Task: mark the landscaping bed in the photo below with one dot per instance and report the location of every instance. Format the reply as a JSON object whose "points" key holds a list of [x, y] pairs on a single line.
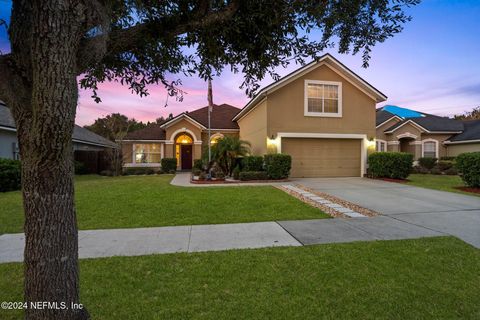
{"points": [[430, 278]]}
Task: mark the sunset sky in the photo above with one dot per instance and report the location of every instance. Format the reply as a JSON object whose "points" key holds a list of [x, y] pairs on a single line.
{"points": [[432, 66]]}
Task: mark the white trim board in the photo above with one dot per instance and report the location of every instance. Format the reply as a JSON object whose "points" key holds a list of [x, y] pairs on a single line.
{"points": [[181, 117], [392, 117], [462, 141]]}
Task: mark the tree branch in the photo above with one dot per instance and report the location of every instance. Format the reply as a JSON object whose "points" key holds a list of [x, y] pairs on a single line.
{"points": [[93, 49]]}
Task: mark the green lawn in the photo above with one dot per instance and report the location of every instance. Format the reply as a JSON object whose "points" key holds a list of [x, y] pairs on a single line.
{"points": [[148, 201], [438, 182], [430, 278]]}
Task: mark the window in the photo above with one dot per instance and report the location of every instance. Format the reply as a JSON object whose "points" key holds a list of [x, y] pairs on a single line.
{"points": [[184, 139], [214, 139], [381, 146], [148, 153], [430, 149], [323, 98]]}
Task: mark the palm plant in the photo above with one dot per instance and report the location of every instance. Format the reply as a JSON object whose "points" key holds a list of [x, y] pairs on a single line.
{"points": [[227, 150]]}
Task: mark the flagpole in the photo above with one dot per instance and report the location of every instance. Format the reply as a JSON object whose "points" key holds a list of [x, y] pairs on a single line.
{"points": [[210, 106]]}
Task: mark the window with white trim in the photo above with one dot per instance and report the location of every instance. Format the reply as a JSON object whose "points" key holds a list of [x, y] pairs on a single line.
{"points": [[147, 153], [381, 146], [323, 98], [430, 149]]}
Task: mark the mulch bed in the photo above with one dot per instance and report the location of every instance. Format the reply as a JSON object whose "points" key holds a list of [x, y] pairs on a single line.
{"points": [[234, 181], [468, 189]]}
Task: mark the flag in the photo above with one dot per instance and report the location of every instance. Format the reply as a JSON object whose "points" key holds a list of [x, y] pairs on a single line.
{"points": [[210, 96]]}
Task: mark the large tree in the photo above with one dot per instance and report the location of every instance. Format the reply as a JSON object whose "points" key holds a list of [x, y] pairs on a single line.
{"points": [[114, 126], [57, 45]]}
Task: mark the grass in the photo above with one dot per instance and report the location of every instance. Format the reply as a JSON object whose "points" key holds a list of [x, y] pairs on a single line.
{"points": [[439, 182], [148, 201], [430, 278]]}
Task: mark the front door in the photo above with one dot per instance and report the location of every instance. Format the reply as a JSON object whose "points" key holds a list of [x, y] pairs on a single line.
{"points": [[186, 156]]}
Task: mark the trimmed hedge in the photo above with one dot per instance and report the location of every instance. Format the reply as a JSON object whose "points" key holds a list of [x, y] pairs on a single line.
{"points": [[138, 171], [168, 164], [10, 174], [468, 164], [278, 165], [428, 163], [395, 165], [80, 168], [253, 163], [253, 175]]}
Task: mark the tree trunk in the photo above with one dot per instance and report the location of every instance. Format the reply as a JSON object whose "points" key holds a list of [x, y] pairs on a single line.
{"points": [[45, 137]]}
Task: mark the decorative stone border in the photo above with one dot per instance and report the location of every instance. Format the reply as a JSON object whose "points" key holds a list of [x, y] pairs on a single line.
{"points": [[329, 204]]}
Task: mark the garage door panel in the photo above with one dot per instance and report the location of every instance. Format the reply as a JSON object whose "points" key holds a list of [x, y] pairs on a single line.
{"points": [[323, 157]]}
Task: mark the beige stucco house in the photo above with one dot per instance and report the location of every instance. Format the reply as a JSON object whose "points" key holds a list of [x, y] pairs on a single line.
{"points": [[424, 135], [322, 114]]}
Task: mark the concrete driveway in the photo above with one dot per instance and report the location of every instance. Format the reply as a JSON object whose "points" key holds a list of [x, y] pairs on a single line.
{"points": [[444, 212]]}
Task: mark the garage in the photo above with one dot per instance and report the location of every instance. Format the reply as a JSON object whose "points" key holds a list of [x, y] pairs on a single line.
{"points": [[316, 157]]}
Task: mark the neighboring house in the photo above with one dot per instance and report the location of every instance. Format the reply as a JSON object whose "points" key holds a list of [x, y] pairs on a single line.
{"points": [[87, 145], [184, 137], [322, 114], [424, 135]]}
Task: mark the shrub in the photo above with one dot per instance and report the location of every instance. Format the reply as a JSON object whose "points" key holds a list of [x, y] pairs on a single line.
{"points": [[428, 163], [253, 175], [169, 164], [468, 164], [236, 173], [278, 165], [444, 165], [220, 175], [137, 171], [202, 176], [196, 172], [451, 172], [395, 165], [436, 170], [448, 158], [197, 164], [420, 170], [10, 174], [80, 168], [253, 163], [107, 173]]}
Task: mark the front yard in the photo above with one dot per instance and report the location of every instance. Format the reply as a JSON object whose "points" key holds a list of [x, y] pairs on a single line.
{"points": [[439, 182], [150, 201], [430, 278]]}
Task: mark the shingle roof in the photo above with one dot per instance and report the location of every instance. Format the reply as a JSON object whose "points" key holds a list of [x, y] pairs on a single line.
{"points": [[80, 134], [471, 131], [220, 118], [383, 116], [428, 121], [152, 132]]}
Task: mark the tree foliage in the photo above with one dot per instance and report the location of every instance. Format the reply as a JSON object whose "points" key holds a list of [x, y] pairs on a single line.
{"points": [[469, 115], [226, 151]]}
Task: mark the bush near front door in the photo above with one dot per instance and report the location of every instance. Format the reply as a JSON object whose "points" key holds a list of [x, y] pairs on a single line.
{"points": [[394, 165], [468, 164], [169, 165]]}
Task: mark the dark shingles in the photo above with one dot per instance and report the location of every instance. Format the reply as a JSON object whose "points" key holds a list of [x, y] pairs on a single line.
{"points": [[471, 131], [80, 134], [383, 116], [436, 123], [220, 118], [152, 132]]}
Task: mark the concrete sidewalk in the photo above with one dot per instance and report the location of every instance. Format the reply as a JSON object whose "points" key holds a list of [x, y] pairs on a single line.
{"points": [[144, 241]]}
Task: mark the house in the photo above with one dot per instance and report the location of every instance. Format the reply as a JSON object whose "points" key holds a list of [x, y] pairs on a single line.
{"points": [[88, 146], [322, 114], [424, 135]]}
